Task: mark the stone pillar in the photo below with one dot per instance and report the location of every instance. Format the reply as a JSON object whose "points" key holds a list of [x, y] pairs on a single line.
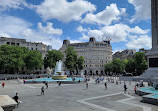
{"points": [[154, 20], [152, 55]]}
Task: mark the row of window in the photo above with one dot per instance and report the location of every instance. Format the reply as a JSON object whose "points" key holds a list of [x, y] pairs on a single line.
{"points": [[13, 43], [94, 45], [102, 49], [93, 66]]}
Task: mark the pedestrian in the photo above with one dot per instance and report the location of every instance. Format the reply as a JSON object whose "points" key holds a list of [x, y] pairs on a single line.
{"points": [[105, 85], [59, 83], [125, 88], [86, 85], [24, 81], [3, 84], [42, 90], [135, 89], [116, 82], [46, 83], [16, 98]]}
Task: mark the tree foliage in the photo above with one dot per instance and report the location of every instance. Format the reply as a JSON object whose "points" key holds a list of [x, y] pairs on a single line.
{"points": [[51, 58], [33, 60], [118, 66], [14, 58], [11, 59], [131, 66], [108, 67], [141, 64], [72, 61], [134, 65], [80, 62]]}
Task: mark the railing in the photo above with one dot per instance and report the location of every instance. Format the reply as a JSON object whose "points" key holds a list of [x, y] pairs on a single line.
{"points": [[21, 76]]}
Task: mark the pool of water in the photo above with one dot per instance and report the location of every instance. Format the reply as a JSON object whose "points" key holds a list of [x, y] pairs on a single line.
{"points": [[149, 90], [155, 96], [50, 79]]}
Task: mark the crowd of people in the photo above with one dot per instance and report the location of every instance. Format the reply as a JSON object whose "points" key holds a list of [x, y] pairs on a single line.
{"points": [[97, 79]]}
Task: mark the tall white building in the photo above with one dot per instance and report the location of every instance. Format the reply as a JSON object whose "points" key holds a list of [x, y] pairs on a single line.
{"points": [[96, 54]]}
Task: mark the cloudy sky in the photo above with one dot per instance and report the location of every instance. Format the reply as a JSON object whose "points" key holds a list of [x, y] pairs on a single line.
{"points": [[126, 22]]}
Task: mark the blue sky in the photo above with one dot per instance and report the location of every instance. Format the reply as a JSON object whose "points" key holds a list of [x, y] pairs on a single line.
{"points": [[126, 22]]}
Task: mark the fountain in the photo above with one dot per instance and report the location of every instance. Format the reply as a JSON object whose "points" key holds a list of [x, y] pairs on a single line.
{"points": [[149, 94], [58, 73]]}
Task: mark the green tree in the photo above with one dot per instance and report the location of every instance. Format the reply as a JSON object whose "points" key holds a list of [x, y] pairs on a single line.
{"points": [[33, 60], [52, 57], [108, 67], [71, 58], [131, 66], [72, 61], [118, 66], [11, 59], [79, 63], [140, 62], [125, 61]]}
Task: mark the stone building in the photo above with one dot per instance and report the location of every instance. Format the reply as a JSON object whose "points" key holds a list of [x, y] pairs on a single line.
{"points": [[95, 54], [42, 48], [126, 54]]}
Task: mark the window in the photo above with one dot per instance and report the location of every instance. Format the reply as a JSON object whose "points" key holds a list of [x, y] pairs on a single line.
{"points": [[31, 48], [36, 48], [8, 43], [12, 43]]}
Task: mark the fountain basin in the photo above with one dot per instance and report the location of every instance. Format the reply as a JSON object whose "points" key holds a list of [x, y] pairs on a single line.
{"points": [[50, 80], [151, 99], [146, 90], [149, 95], [59, 77]]}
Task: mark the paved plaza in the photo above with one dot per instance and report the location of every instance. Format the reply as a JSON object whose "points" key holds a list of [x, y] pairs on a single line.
{"points": [[75, 97]]}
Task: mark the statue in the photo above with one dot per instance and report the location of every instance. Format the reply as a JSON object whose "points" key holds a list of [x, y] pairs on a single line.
{"points": [[48, 71]]}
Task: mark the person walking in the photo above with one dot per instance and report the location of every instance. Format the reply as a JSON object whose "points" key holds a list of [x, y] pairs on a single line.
{"points": [[59, 83], [3, 84], [42, 90], [105, 84], [87, 85], [125, 88], [135, 89], [46, 83]]}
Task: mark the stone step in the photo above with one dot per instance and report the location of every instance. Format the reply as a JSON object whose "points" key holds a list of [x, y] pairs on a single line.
{"points": [[1, 109]]}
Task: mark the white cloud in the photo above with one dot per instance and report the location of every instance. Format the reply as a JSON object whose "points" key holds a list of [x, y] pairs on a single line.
{"points": [[138, 30], [117, 32], [117, 50], [17, 28], [63, 10], [32, 35], [81, 29], [142, 8], [105, 17], [144, 41], [12, 25], [49, 29], [7, 4], [4, 35]]}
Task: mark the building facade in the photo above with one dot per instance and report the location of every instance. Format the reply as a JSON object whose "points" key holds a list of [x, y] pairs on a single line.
{"points": [[126, 54], [96, 54]]}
